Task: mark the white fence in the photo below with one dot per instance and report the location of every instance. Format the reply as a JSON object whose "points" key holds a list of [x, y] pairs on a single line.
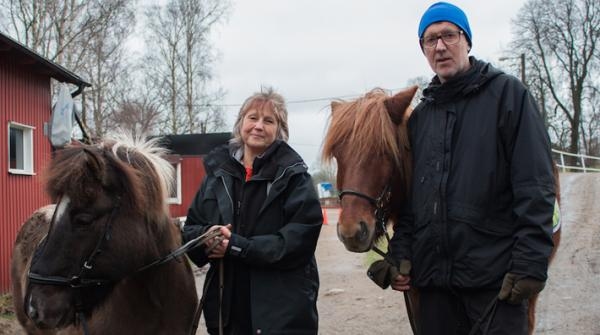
{"points": [[593, 163]]}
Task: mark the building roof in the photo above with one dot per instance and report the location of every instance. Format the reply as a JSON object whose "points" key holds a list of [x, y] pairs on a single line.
{"points": [[194, 144], [38, 63]]}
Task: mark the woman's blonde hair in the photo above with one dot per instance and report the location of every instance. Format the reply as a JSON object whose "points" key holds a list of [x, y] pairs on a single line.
{"points": [[266, 98]]}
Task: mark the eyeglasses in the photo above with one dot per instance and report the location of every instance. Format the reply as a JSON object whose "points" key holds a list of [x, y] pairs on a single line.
{"points": [[449, 38]]}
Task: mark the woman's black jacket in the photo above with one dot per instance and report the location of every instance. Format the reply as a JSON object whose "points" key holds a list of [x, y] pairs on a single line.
{"points": [[483, 192], [270, 268]]}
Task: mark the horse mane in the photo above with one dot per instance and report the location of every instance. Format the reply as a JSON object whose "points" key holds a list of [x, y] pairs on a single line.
{"points": [[137, 165], [363, 128]]}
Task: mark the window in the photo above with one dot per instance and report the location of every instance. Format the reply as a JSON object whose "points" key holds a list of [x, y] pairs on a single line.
{"points": [[175, 196], [20, 148]]}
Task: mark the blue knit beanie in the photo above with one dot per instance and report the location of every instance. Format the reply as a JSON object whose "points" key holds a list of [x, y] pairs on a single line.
{"points": [[443, 11]]}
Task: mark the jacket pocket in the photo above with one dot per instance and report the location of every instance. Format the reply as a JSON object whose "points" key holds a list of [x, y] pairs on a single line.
{"points": [[480, 221]]}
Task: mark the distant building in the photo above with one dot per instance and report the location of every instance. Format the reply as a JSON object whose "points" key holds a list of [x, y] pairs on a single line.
{"points": [[25, 110], [187, 157]]}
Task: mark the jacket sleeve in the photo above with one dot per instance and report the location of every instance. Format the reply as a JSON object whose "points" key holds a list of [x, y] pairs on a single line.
{"points": [[295, 242], [532, 182], [195, 225], [400, 243]]}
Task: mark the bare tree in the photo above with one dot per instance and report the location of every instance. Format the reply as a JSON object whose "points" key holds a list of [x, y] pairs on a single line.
{"points": [[163, 40], [181, 61], [140, 117], [106, 65], [560, 39], [85, 36]]}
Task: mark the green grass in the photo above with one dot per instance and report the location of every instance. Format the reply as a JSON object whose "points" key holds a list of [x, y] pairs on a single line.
{"points": [[6, 305]]}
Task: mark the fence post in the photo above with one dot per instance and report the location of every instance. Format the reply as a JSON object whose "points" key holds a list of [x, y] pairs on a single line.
{"points": [[562, 162], [583, 163]]}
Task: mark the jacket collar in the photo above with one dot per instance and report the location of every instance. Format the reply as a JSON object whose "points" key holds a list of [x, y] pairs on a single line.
{"points": [[462, 85], [268, 165]]}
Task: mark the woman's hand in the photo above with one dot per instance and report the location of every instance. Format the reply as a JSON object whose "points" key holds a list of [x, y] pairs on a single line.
{"points": [[222, 241]]}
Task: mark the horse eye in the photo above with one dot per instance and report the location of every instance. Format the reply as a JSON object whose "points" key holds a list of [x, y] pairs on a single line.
{"points": [[83, 219]]}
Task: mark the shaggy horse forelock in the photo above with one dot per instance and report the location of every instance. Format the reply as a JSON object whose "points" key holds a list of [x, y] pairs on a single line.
{"points": [[116, 166]]}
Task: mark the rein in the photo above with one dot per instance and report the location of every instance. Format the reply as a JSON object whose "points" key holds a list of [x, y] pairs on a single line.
{"points": [[78, 282]]}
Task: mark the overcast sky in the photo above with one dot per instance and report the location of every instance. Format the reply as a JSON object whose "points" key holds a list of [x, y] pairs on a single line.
{"points": [[336, 48]]}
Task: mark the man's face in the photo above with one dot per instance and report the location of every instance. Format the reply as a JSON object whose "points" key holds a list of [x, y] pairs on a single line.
{"points": [[445, 60]]}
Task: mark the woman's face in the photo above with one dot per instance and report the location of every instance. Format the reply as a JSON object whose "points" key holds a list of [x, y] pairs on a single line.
{"points": [[259, 130]]}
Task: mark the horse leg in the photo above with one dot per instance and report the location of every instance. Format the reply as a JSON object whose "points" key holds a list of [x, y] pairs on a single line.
{"points": [[413, 309]]}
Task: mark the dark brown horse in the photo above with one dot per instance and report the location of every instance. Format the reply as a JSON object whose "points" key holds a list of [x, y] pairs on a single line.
{"points": [[369, 141], [81, 266]]}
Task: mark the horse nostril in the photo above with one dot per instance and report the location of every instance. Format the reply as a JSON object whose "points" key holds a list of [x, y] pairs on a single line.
{"points": [[32, 312], [363, 234]]}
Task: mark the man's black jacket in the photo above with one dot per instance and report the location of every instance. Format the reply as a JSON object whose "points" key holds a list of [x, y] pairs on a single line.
{"points": [[482, 194]]}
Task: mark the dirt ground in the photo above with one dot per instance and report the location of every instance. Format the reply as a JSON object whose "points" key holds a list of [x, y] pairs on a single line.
{"points": [[349, 303]]}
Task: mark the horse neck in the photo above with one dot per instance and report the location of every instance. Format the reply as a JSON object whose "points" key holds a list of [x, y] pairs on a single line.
{"points": [[168, 237]]}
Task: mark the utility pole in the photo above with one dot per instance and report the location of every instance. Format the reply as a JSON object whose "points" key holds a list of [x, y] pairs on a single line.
{"points": [[523, 69]]}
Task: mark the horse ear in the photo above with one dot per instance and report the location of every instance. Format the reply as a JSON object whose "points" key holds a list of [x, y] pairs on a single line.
{"points": [[335, 105], [397, 106], [94, 163]]}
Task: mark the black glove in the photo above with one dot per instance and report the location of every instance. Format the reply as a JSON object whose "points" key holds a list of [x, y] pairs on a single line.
{"points": [[382, 271], [516, 288]]}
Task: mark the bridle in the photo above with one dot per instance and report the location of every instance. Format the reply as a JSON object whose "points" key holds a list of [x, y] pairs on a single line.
{"points": [[80, 281]]}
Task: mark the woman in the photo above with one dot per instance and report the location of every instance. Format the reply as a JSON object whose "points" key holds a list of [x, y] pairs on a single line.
{"points": [[258, 192]]}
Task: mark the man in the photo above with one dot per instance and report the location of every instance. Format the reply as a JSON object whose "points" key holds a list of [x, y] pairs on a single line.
{"points": [[478, 226]]}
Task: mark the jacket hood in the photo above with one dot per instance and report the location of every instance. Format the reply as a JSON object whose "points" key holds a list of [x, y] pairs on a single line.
{"points": [[465, 84]]}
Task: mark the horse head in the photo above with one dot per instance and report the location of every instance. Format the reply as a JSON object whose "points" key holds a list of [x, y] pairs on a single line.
{"points": [[109, 220], [369, 141]]}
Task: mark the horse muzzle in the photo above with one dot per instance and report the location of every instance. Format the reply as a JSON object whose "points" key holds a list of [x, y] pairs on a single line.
{"points": [[358, 239], [49, 307]]}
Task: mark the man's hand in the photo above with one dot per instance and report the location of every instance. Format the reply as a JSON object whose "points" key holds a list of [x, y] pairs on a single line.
{"points": [[516, 288], [401, 279]]}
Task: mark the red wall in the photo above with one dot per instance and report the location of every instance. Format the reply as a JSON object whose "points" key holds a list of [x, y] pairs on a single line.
{"points": [[192, 173], [25, 99]]}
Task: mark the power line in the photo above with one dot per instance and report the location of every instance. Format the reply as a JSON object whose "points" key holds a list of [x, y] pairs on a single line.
{"points": [[298, 101]]}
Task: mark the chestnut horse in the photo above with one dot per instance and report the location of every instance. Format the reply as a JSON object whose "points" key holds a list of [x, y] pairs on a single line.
{"points": [[368, 139], [82, 266]]}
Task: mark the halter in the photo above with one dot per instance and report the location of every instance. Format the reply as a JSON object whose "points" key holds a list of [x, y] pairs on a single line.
{"points": [[382, 213]]}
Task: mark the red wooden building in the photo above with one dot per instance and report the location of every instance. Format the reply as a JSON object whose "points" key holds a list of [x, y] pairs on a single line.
{"points": [[25, 109], [187, 156]]}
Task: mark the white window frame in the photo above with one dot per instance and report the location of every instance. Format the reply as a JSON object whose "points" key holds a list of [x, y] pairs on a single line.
{"points": [[176, 200], [26, 150]]}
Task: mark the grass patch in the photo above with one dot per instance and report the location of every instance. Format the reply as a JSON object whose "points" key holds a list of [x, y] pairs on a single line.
{"points": [[6, 305]]}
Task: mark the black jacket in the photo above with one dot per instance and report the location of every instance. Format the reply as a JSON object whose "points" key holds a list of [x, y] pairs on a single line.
{"points": [[270, 269], [482, 194]]}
